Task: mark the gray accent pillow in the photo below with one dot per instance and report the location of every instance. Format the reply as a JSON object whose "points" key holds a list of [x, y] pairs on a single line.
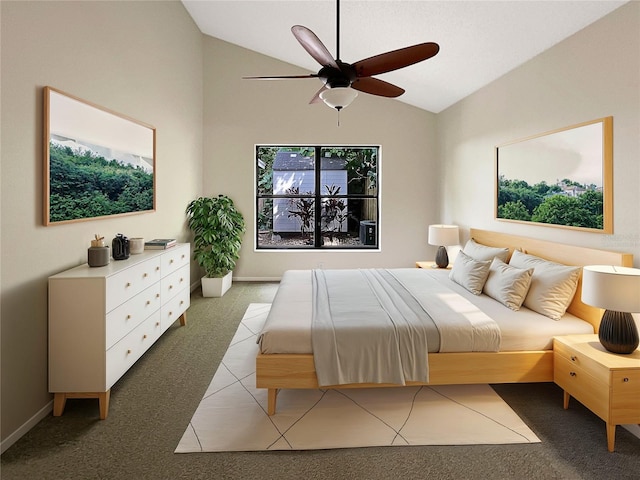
{"points": [[508, 284], [482, 252], [470, 273], [553, 285]]}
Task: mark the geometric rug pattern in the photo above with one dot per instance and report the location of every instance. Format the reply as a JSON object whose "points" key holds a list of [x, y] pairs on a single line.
{"points": [[232, 415]]}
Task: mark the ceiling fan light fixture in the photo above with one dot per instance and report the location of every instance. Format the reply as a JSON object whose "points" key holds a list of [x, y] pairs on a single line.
{"points": [[338, 97]]}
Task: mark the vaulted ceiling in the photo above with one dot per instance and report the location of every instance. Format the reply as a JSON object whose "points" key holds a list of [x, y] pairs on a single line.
{"points": [[479, 40]]}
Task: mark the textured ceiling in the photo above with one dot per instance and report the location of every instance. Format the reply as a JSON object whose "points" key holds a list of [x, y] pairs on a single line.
{"points": [[479, 40]]}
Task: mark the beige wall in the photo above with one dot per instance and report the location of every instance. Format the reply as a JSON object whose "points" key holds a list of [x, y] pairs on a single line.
{"points": [[593, 74], [241, 113], [142, 59]]}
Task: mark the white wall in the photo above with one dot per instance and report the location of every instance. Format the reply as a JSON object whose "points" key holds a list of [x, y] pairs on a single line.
{"points": [[241, 113], [593, 74], [141, 59]]}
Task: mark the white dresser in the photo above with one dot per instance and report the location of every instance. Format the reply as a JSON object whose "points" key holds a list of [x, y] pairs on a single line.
{"points": [[102, 319]]}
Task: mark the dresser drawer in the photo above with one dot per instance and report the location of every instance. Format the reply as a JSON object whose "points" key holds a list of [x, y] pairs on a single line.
{"points": [[171, 310], [580, 384], [124, 354], [121, 320], [131, 281], [174, 283], [175, 258]]}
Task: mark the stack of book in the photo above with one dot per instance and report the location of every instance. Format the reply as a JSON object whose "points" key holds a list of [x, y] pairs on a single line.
{"points": [[159, 243]]}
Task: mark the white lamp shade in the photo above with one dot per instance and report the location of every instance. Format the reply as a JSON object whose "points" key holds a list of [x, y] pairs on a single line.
{"points": [[338, 97], [611, 287], [444, 235]]}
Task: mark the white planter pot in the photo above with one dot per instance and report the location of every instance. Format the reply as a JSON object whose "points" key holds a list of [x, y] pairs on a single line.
{"points": [[216, 287]]}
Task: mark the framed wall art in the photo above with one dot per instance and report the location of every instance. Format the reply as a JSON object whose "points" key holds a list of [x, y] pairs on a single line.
{"points": [[97, 163], [562, 178]]}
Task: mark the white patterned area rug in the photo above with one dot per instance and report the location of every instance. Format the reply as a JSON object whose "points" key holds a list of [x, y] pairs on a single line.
{"points": [[232, 415]]}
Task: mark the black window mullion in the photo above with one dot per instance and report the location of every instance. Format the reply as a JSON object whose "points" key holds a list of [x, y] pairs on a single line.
{"points": [[317, 231]]}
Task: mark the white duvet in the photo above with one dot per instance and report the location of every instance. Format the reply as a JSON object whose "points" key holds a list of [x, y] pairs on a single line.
{"points": [[373, 325]]}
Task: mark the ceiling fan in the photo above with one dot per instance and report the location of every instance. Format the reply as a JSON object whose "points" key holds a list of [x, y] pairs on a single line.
{"points": [[341, 79]]}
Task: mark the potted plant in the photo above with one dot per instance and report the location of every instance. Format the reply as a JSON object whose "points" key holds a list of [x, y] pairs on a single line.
{"points": [[218, 227]]}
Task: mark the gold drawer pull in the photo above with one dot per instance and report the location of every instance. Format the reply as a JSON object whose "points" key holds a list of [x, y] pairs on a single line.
{"points": [[128, 284], [129, 352], [573, 374], [181, 279], [157, 324], [144, 275], [625, 379], [148, 302], [171, 261], [157, 268], [157, 295], [181, 302], [573, 358], [128, 317], [170, 287], [170, 313], [144, 336]]}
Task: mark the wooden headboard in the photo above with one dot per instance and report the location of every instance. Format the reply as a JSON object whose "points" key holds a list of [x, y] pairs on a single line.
{"points": [[561, 253]]}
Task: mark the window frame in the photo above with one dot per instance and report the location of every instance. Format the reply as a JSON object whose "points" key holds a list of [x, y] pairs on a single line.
{"points": [[318, 196]]}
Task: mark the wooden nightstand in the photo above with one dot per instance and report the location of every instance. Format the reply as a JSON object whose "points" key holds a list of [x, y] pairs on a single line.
{"points": [[608, 384], [430, 265]]}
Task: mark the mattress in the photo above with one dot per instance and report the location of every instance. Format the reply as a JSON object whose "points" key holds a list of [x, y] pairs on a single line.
{"points": [[288, 325]]}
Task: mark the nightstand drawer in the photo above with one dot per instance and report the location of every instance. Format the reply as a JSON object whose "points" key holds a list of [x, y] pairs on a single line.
{"points": [[580, 384], [582, 361], [625, 396]]}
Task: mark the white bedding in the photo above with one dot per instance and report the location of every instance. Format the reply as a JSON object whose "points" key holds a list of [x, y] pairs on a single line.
{"points": [[288, 326]]}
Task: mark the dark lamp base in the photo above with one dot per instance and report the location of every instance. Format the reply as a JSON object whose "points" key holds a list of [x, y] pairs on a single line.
{"points": [[618, 332], [442, 259]]}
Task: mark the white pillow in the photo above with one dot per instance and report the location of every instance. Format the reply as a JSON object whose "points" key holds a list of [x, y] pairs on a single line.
{"points": [[507, 284], [552, 284], [470, 273], [482, 252]]}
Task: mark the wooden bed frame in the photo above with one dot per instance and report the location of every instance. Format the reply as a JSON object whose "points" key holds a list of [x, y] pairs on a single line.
{"points": [[278, 371]]}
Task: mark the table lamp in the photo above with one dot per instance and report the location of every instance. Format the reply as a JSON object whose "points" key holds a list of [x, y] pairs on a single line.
{"points": [[617, 290], [443, 236]]}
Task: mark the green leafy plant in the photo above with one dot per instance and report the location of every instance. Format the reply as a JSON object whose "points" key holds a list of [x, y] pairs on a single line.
{"points": [[218, 227]]}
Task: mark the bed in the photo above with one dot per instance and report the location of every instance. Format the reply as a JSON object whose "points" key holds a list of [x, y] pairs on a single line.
{"points": [[286, 360]]}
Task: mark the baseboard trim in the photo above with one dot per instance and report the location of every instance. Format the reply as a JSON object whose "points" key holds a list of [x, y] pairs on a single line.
{"points": [[25, 427], [634, 429]]}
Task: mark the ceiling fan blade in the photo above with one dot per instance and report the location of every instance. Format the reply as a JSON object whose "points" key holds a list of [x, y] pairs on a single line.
{"points": [[316, 98], [312, 44], [375, 86], [386, 62], [279, 77]]}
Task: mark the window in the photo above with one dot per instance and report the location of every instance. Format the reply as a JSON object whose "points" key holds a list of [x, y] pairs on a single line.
{"points": [[317, 197]]}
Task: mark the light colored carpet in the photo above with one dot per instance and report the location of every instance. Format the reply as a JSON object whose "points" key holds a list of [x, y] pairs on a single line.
{"points": [[232, 415]]}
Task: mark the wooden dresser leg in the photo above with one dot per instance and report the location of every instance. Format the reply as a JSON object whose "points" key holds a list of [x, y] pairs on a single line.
{"points": [[566, 398], [183, 319], [611, 436], [272, 395], [59, 401], [103, 399]]}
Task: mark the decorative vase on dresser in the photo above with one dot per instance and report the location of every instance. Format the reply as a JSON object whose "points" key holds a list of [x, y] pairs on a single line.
{"points": [[101, 320]]}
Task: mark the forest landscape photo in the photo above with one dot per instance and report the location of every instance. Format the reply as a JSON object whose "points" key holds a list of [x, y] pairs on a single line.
{"points": [[98, 163], [557, 178], [85, 184]]}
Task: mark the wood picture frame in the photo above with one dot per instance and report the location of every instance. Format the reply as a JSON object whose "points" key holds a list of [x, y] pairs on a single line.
{"points": [[97, 163], [561, 178]]}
